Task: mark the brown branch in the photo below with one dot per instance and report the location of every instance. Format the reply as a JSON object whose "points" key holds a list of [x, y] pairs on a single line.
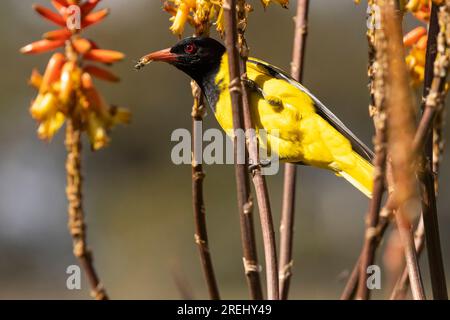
{"points": [[77, 225], [435, 95], [425, 174], [376, 71], [245, 202], [433, 107], [352, 283], [401, 287], [289, 188], [74, 193], [198, 175], [400, 108], [433, 101], [438, 146], [182, 284], [241, 109], [259, 182]]}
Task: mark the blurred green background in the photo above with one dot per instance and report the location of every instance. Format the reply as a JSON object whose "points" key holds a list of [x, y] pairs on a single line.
{"points": [[138, 203]]}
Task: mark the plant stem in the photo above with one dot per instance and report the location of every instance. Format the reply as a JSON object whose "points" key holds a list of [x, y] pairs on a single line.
{"points": [[433, 107], [241, 109], [259, 182], [376, 71], [400, 289], [198, 175], [426, 176], [400, 109], [289, 188], [353, 280], [245, 202], [74, 192], [77, 225]]}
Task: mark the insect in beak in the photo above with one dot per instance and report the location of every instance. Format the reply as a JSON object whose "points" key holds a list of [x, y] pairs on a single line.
{"points": [[163, 55]]}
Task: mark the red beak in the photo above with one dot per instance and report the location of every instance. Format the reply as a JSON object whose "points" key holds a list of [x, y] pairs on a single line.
{"points": [[163, 55]]}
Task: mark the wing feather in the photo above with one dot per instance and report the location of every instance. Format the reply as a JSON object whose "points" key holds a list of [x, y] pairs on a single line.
{"points": [[357, 145]]}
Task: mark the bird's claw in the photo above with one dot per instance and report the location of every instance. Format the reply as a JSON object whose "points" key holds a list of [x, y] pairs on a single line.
{"points": [[262, 164], [274, 101]]}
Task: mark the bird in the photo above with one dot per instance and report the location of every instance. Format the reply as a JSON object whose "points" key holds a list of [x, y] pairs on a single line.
{"points": [[308, 133]]}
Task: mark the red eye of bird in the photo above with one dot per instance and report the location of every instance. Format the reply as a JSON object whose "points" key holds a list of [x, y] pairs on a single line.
{"points": [[190, 48]]}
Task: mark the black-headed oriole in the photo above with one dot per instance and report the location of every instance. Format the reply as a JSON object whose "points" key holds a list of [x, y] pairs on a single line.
{"points": [[307, 132]]}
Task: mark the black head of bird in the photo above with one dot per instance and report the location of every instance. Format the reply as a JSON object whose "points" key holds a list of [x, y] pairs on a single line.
{"points": [[195, 56]]}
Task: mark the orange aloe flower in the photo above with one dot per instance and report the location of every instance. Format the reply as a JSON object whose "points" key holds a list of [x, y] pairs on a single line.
{"points": [[416, 40], [66, 89]]}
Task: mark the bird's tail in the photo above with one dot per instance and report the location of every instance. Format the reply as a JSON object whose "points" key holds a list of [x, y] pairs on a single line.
{"points": [[359, 175]]}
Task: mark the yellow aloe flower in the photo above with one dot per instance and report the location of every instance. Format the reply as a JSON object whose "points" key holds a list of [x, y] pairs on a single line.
{"points": [[201, 13], [50, 126], [119, 116], [97, 132], [283, 3], [184, 8], [45, 106]]}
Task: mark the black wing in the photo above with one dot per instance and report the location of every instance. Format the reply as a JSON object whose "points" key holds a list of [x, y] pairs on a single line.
{"points": [[323, 111]]}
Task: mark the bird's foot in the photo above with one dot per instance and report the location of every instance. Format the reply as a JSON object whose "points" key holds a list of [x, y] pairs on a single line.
{"points": [[262, 164], [274, 101], [250, 84]]}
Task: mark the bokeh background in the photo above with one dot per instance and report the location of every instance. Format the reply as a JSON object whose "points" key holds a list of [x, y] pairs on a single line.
{"points": [[138, 203]]}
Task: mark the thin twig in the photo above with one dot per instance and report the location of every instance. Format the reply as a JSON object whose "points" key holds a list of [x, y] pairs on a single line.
{"points": [[376, 225], [401, 287], [376, 71], [289, 188], [435, 97], [74, 192], [438, 145], [399, 291], [245, 202], [400, 108], [198, 175], [425, 174], [182, 284], [432, 109], [259, 182], [77, 225], [241, 109], [352, 283]]}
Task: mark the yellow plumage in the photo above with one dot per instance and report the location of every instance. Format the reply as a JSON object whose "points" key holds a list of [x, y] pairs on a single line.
{"points": [[304, 136]]}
